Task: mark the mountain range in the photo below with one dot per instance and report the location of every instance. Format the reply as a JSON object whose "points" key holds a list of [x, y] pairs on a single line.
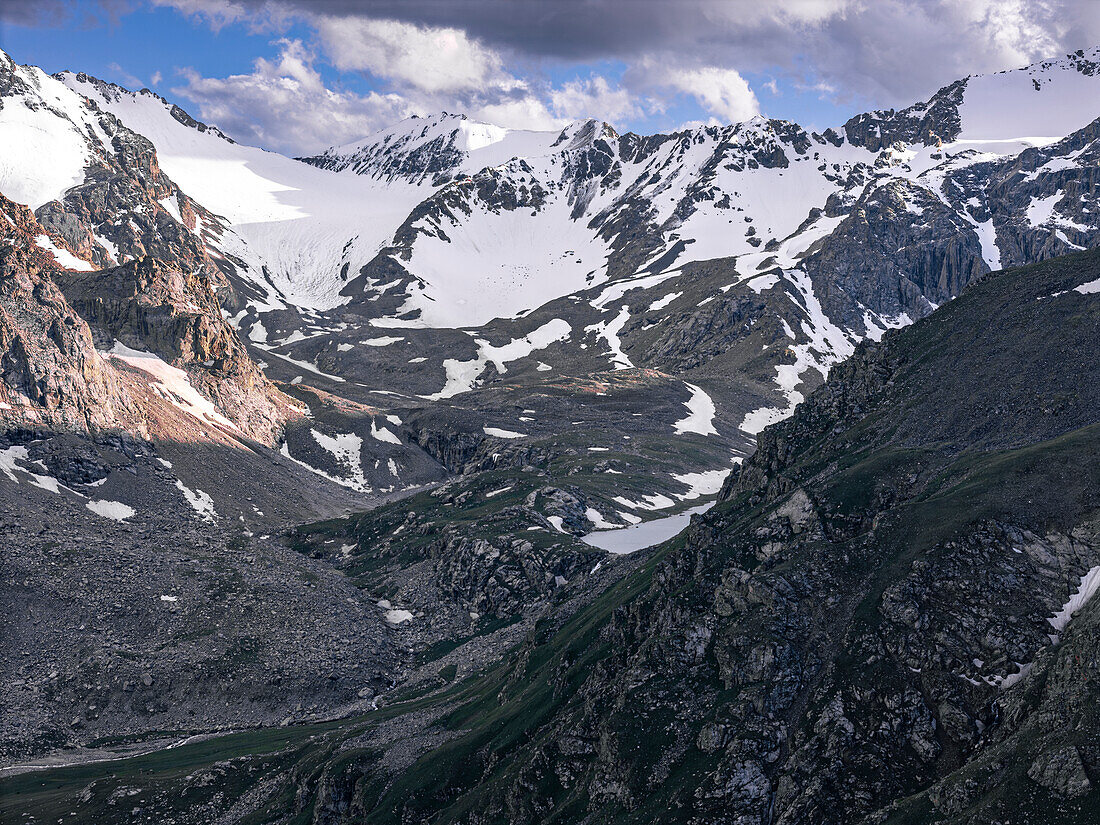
{"points": [[353, 487]]}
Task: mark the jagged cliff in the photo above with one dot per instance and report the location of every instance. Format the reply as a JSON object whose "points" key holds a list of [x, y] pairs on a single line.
{"points": [[150, 306], [50, 372]]}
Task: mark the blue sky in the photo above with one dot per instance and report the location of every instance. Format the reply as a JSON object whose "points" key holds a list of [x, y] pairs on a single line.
{"points": [[297, 76]]}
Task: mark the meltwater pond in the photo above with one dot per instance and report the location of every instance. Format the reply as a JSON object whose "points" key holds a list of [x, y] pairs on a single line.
{"points": [[640, 536]]}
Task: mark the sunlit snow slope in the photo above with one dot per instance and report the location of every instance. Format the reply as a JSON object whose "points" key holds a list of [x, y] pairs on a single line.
{"points": [[487, 222], [299, 223]]}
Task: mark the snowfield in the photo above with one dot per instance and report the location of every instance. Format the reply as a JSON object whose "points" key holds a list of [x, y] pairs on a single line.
{"points": [[30, 132], [637, 537], [500, 264], [301, 222]]}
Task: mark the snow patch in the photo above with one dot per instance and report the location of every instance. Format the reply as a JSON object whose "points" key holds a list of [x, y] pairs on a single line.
{"points": [[661, 303], [200, 502], [347, 449], [383, 434], [497, 264], [63, 256], [1090, 288], [706, 483], [648, 502], [398, 616], [171, 384], [1090, 583], [383, 341], [496, 432], [1041, 210], [115, 510], [625, 540], [10, 460], [597, 519], [828, 344], [462, 376], [609, 331], [700, 417]]}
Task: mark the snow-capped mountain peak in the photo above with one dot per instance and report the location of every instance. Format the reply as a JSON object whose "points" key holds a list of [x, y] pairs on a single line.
{"points": [[41, 118], [442, 209], [999, 113], [436, 148]]}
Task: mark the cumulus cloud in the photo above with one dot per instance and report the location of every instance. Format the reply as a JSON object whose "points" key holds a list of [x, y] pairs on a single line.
{"points": [[124, 75], [596, 97], [894, 52], [262, 16], [284, 104], [525, 112], [722, 93], [421, 57]]}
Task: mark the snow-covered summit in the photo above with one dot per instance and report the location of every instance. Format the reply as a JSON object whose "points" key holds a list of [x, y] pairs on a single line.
{"points": [[438, 147], [1000, 113], [97, 89], [42, 119]]}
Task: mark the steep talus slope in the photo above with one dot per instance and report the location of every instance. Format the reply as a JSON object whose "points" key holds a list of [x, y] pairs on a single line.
{"points": [[136, 608]]}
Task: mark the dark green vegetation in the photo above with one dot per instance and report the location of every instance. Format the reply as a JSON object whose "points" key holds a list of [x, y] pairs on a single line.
{"points": [[827, 645]]}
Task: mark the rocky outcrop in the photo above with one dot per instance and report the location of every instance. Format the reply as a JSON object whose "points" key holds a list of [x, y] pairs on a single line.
{"points": [[461, 450], [899, 251], [930, 123], [54, 377], [50, 373], [126, 208], [150, 306]]}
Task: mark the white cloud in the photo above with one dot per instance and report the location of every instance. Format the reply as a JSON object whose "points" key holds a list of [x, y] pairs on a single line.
{"points": [[262, 16], [595, 97], [895, 52], [124, 75], [885, 52], [720, 92], [431, 59], [527, 112], [285, 105]]}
